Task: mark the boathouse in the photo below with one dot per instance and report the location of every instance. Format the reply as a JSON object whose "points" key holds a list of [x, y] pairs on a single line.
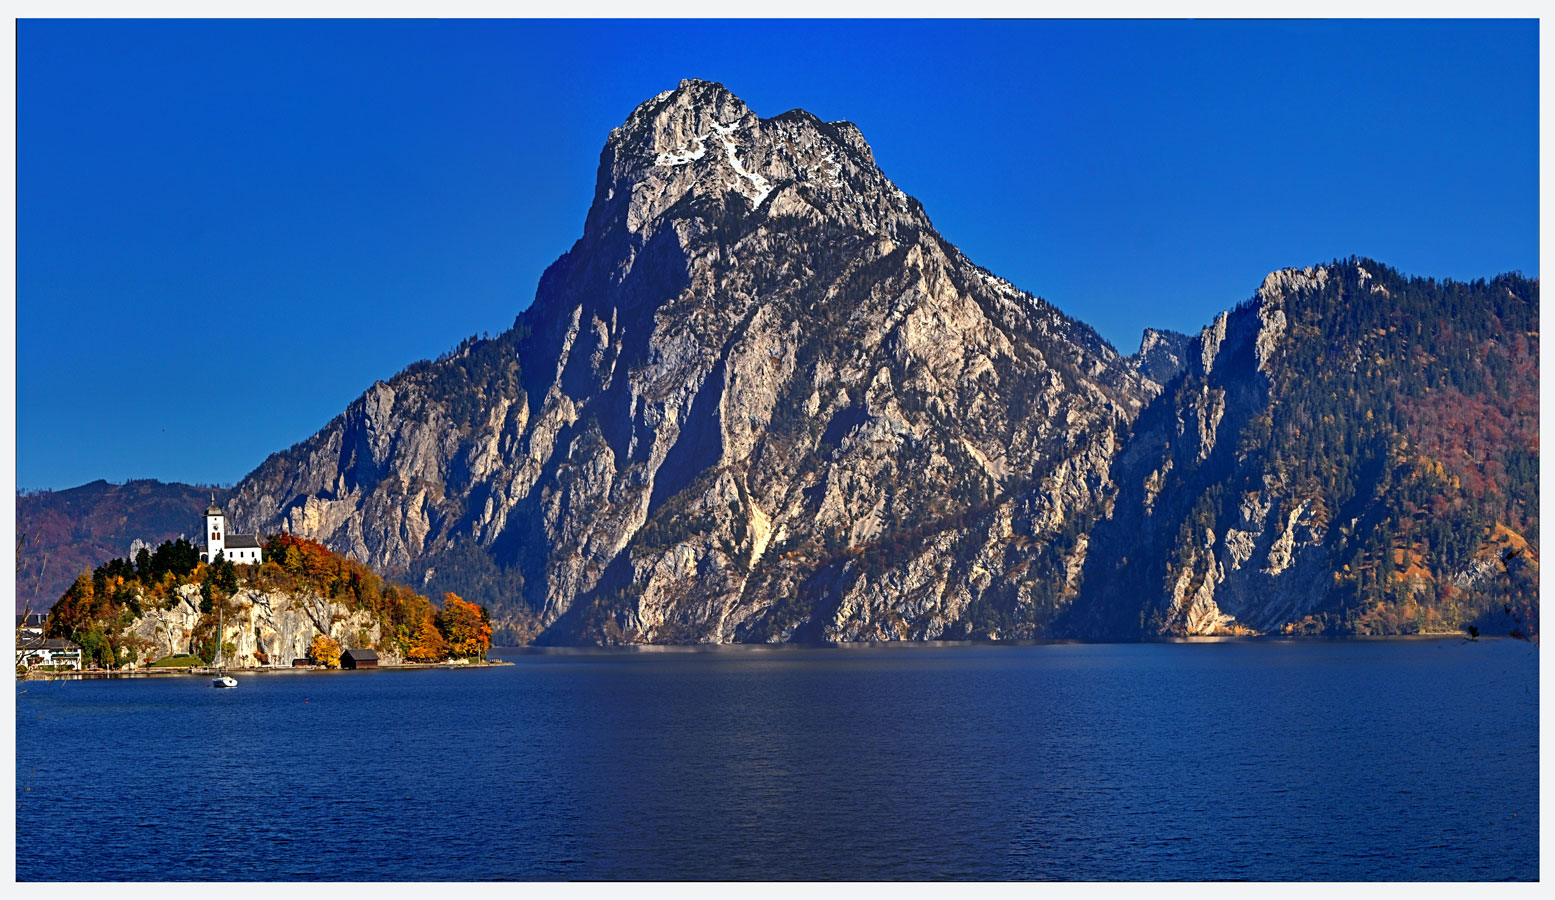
{"points": [[358, 659]]}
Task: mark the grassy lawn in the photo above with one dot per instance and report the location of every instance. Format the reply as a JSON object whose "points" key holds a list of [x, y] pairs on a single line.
{"points": [[169, 662]]}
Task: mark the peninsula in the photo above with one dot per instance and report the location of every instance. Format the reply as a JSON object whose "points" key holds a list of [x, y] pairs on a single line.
{"points": [[293, 603]]}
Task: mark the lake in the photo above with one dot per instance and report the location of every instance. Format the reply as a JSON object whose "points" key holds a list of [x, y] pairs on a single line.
{"points": [[1261, 759]]}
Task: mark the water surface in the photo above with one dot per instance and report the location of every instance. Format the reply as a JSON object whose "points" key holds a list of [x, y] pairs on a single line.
{"points": [[1332, 760]]}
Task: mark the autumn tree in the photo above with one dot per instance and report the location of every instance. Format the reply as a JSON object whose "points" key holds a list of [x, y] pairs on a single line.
{"points": [[428, 644], [325, 652], [75, 611], [465, 626]]}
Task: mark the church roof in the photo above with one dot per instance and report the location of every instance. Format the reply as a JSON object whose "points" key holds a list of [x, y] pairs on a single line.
{"points": [[213, 510], [242, 542]]}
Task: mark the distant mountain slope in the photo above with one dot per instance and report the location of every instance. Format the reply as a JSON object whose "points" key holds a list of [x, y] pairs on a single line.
{"points": [[1350, 451], [66, 532]]}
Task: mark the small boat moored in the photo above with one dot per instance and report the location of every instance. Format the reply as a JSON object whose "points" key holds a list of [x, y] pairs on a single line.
{"points": [[221, 681]]}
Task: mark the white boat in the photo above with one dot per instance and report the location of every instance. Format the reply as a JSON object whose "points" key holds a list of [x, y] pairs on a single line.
{"points": [[221, 681]]}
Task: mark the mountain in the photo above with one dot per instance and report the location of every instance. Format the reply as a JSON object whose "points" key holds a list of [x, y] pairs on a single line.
{"points": [[1351, 451], [761, 398], [62, 533]]}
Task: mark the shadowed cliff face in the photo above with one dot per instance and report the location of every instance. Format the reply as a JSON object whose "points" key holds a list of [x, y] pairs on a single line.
{"points": [[759, 399]]}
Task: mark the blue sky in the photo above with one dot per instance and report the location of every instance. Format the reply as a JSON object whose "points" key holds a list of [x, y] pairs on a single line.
{"points": [[227, 230]]}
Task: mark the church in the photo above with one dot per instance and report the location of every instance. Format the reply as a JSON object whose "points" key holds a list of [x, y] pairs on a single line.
{"points": [[235, 548]]}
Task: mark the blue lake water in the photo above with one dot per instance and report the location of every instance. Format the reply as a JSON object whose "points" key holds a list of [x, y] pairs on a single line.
{"points": [[1342, 760]]}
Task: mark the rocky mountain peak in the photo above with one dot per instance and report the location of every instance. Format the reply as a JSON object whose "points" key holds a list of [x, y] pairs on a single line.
{"points": [[698, 150], [1283, 283], [762, 399], [1161, 354], [683, 117], [689, 108]]}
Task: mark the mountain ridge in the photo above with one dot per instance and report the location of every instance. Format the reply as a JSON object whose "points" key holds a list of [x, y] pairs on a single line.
{"points": [[761, 398]]}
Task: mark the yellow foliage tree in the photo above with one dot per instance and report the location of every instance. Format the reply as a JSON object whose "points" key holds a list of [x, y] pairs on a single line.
{"points": [[428, 644], [325, 652]]}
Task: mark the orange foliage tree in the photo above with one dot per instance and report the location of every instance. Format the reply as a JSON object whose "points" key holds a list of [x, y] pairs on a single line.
{"points": [[427, 645], [466, 627]]}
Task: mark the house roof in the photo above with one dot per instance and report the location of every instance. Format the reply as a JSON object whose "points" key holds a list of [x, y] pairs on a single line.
{"points": [[360, 654], [42, 643], [31, 620], [242, 542]]}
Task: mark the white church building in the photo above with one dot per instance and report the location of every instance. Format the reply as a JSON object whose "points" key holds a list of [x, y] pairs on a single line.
{"points": [[236, 548]]}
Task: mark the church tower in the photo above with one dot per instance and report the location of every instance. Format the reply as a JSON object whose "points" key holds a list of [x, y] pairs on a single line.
{"points": [[215, 530]]}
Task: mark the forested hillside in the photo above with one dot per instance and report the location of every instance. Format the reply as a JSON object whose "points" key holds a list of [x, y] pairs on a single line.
{"points": [[60, 533], [1374, 436], [107, 610]]}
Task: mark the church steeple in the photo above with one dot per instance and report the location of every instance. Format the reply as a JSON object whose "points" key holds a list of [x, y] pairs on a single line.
{"points": [[215, 530], [234, 547]]}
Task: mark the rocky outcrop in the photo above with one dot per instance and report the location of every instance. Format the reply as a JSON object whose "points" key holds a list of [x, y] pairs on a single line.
{"points": [[1200, 570], [260, 628], [1161, 354]]}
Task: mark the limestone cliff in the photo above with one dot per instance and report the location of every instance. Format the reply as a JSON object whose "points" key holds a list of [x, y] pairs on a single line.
{"points": [[1161, 355], [259, 628]]}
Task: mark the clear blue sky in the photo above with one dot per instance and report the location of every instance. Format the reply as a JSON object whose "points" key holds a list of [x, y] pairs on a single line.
{"points": [[227, 230]]}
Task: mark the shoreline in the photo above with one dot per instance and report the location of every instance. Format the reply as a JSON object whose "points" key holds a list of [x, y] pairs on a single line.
{"points": [[1013, 642], [188, 671], [562, 650]]}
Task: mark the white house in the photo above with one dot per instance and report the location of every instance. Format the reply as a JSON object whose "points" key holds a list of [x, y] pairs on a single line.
{"points": [[57, 652], [235, 548], [29, 625]]}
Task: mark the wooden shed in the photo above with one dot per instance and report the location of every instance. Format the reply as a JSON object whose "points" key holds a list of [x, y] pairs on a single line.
{"points": [[358, 659]]}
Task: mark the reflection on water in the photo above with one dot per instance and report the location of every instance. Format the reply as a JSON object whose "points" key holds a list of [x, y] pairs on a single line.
{"points": [[1203, 760]]}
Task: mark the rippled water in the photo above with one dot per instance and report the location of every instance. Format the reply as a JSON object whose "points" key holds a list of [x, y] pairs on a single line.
{"points": [[1233, 760]]}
